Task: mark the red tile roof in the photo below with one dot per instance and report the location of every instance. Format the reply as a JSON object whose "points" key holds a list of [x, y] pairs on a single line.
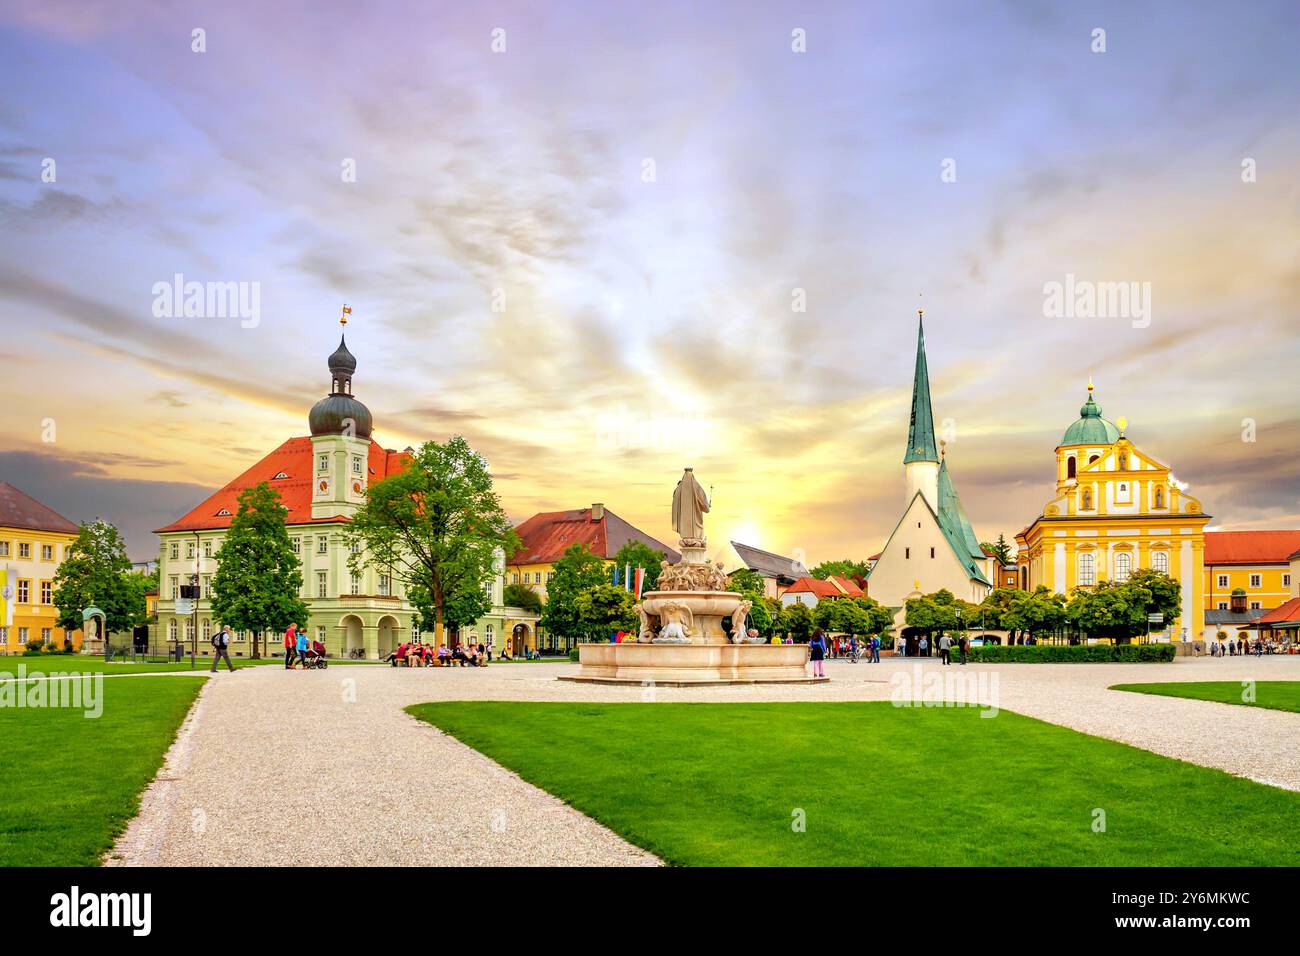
{"points": [[20, 510], [546, 536], [827, 588], [1290, 611], [294, 460], [1250, 547]]}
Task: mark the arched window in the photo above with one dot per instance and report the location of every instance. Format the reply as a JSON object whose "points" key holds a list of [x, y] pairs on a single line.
{"points": [[1087, 568], [1123, 565], [1093, 458], [1160, 561], [1070, 467]]}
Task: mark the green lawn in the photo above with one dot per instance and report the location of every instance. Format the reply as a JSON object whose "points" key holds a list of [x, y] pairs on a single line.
{"points": [[86, 664], [68, 784], [723, 784], [1272, 694]]}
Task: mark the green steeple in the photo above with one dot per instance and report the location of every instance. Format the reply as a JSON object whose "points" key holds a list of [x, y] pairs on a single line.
{"points": [[920, 432]]}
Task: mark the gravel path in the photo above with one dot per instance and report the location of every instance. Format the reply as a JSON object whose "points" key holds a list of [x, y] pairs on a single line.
{"points": [[323, 768]]}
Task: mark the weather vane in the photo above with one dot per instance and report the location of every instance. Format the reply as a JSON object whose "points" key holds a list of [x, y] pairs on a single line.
{"points": [[347, 310]]}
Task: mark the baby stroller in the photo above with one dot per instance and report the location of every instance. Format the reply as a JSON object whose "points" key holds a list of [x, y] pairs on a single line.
{"points": [[315, 656]]}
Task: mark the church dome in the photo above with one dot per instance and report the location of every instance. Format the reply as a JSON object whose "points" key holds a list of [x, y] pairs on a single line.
{"points": [[339, 413], [1091, 428], [342, 361], [331, 415]]}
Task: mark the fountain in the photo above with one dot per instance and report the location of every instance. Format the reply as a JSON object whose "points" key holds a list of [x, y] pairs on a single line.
{"points": [[682, 638]]}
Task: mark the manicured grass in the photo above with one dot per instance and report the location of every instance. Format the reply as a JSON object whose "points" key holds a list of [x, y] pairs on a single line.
{"points": [[69, 784], [1272, 694], [724, 784], [86, 664]]}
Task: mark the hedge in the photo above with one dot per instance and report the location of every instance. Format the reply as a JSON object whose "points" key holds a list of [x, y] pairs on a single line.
{"points": [[1073, 653]]}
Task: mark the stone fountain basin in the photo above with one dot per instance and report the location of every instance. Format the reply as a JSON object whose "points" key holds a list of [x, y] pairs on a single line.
{"points": [[685, 665], [718, 604]]}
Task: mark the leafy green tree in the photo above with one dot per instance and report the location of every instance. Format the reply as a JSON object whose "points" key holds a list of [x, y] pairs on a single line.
{"points": [[258, 577], [97, 571], [437, 525], [522, 596], [879, 618], [1038, 614], [1118, 610], [842, 616], [637, 554], [797, 621], [996, 605], [576, 571], [1000, 549], [745, 580], [605, 608], [842, 569]]}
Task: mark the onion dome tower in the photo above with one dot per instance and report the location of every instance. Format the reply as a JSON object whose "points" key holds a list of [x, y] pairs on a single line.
{"points": [[339, 412]]}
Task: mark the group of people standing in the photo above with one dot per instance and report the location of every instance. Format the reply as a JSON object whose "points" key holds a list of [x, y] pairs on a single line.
{"points": [[819, 647], [1243, 646]]}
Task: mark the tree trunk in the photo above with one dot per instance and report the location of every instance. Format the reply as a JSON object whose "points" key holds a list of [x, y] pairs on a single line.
{"points": [[257, 636]]}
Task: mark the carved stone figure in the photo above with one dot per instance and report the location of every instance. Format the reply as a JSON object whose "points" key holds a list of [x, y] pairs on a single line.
{"points": [[738, 616], [678, 624], [647, 632], [690, 504]]}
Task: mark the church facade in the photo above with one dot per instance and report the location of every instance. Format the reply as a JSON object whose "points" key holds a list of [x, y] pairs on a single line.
{"points": [[1117, 509], [933, 547]]}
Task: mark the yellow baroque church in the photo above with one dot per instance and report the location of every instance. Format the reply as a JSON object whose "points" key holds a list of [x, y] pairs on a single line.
{"points": [[1117, 509]]}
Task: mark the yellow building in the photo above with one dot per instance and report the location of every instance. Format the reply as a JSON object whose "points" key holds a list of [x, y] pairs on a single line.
{"points": [[34, 540], [1117, 509]]}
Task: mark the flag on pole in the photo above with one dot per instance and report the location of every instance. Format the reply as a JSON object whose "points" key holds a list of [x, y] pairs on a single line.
{"points": [[627, 577], [640, 581]]}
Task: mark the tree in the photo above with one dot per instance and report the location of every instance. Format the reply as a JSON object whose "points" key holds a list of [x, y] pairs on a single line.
{"points": [[605, 608], [745, 580], [842, 616], [1037, 614], [258, 577], [576, 571], [1118, 610], [97, 571], [437, 526], [522, 596], [796, 620], [844, 568], [879, 618], [1000, 549], [638, 554]]}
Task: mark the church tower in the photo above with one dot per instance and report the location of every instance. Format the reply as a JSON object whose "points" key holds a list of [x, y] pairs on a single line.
{"points": [[921, 462], [340, 440]]}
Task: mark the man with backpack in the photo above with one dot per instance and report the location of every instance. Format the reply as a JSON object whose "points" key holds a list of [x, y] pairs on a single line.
{"points": [[220, 649]]}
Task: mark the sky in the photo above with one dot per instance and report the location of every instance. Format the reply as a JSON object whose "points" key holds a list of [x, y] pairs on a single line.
{"points": [[635, 237]]}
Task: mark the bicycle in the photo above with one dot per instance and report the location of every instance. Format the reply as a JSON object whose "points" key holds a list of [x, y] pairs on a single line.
{"points": [[357, 653]]}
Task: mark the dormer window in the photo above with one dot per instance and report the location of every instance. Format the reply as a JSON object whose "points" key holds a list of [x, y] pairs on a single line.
{"points": [[279, 476], [223, 513]]}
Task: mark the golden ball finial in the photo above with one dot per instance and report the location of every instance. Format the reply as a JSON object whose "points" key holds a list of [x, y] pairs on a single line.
{"points": [[1122, 422]]}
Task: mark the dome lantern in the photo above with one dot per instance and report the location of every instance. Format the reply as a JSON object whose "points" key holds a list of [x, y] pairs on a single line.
{"points": [[339, 413], [1091, 428]]}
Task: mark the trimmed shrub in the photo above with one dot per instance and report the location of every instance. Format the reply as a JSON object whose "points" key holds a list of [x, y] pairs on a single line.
{"points": [[1073, 654], [573, 655]]}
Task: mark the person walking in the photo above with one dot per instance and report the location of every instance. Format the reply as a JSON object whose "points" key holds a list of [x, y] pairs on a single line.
{"points": [[963, 645], [817, 652], [875, 649], [300, 642], [290, 646], [220, 649], [945, 646]]}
